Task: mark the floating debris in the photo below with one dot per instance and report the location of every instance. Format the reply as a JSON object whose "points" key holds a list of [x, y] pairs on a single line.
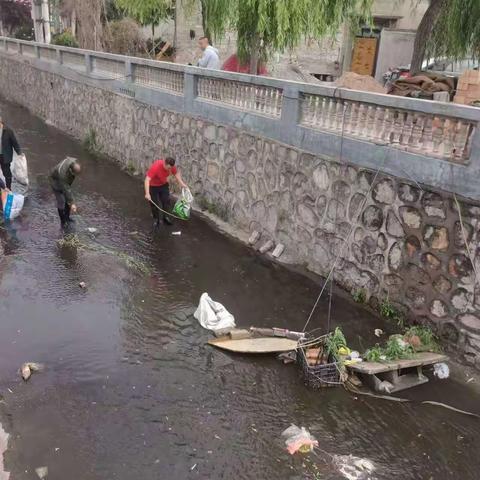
{"points": [[353, 468], [176, 233], [378, 332], [441, 370], [72, 241], [42, 472], [299, 440], [92, 230], [28, 368], [69, 241], [82, 285]]}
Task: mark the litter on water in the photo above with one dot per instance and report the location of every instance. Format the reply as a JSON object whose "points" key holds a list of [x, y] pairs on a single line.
{"points": [[42, 472], [441, 370], [92, 230], [176, 233], [299, 440], [213, 315], [28, 368], [353, 468]]}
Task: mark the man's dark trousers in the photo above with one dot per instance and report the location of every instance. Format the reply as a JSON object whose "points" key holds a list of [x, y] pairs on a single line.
{"points": [[161, 196], [7, 172]]}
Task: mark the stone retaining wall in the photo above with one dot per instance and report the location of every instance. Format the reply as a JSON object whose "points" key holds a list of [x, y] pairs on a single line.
{"points": [[403, 243]]}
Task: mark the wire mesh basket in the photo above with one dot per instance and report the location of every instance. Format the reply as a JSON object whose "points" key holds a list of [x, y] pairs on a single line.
{"points": [[318, 376]]}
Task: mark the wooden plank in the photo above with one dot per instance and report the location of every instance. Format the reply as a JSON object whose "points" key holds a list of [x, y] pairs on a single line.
{"points": [[255, 345], [364, 54], [418, 360]]}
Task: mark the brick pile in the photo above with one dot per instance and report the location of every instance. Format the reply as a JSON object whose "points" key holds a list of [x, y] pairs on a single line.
{"points": [[468, 88]]}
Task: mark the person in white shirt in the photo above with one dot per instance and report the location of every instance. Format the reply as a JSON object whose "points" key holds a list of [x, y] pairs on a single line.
{"points": [[210, 57]]}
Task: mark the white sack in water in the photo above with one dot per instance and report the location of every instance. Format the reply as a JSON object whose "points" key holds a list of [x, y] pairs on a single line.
{"points": [[441, 370], [213, 315]]}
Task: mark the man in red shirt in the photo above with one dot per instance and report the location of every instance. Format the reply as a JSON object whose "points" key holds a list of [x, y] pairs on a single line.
{"points": [[157, 190]]}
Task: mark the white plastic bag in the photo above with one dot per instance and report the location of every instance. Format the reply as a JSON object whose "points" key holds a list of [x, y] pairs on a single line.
{"points": [[299, 439], [213, 315], [184, 205], [20, 168], [12, 205]]}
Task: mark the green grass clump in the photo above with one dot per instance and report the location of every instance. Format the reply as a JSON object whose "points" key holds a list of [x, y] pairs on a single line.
{"points": [[360, 296], [427, 337], [389, 312]]}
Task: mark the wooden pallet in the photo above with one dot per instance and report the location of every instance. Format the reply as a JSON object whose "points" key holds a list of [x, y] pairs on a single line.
{"points": [[401, 374]]}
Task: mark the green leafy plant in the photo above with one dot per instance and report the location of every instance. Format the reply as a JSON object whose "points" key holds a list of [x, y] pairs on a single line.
{"points": [[65, 39], [429, 341], [334, 342], [389, 312], [374, 354], [360, 295], [396, 348]]}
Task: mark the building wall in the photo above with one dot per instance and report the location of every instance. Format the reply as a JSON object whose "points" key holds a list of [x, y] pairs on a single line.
{"points": [[389, 236], [410, 12], [325, 56], [395, 49]]}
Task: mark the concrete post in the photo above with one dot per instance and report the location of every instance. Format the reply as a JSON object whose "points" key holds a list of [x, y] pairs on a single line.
{"points": [[88, 63], [46, 21], [190, 90], [290, 107], [128, 72]]}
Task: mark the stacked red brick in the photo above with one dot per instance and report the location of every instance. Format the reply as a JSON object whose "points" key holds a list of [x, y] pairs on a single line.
{"points": [[468, 88]]}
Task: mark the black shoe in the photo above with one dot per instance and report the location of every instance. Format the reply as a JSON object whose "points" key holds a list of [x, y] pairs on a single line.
{"points": [[167, 221]]}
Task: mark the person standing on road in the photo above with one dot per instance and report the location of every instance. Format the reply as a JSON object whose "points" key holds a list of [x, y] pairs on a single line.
{"points": [[157, 190], [61, 180], [8, 144], [209, 57]]}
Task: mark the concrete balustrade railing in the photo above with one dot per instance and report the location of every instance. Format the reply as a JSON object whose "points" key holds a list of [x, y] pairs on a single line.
{"points": [[431, 142], [418, 132]]}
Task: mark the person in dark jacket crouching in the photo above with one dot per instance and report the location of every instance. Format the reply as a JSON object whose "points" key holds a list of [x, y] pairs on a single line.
{"points": [[61, 180], [8, 144]]}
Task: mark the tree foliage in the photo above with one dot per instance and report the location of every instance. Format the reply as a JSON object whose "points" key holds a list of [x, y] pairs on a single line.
{"points": [[15, 14], [456, 33], [265, 26], [147, 12]]}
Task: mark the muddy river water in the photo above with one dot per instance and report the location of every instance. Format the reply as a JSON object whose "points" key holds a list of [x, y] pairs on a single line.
{"points": [[130, 389]]}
